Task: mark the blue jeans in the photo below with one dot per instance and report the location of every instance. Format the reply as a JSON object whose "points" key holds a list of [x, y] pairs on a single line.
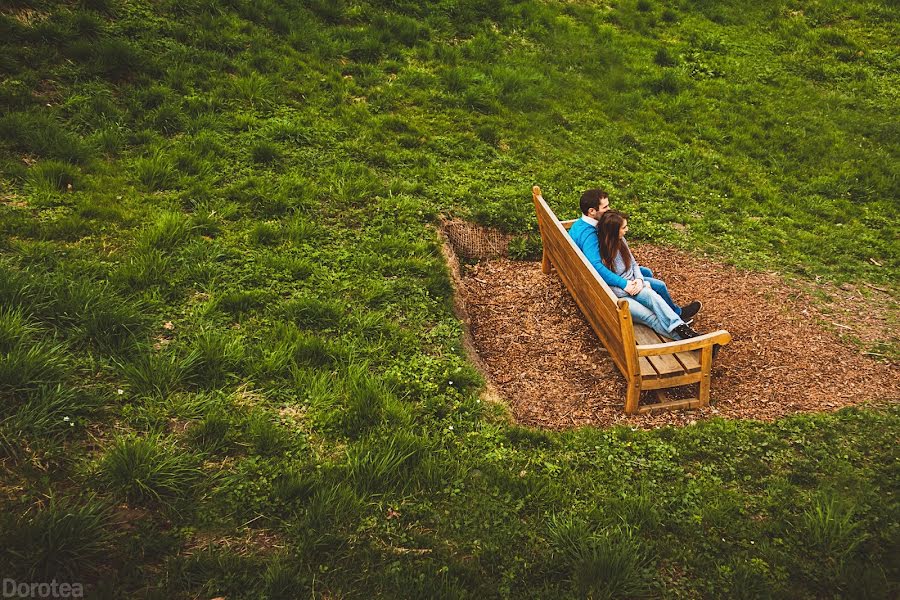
{"points": [[649, 308], [660, 288]]}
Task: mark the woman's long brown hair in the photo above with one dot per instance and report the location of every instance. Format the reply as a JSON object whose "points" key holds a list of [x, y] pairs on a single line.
{"points": [[608, 236]]}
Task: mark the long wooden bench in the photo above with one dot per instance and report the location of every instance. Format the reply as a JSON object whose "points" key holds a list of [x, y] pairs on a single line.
{"points": [[647, 360]]}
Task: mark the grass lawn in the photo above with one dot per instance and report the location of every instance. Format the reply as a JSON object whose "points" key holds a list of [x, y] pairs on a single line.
{"points": [[229, 362]]}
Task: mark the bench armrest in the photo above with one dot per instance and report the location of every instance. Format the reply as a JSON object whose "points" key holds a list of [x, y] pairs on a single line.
{"points": [[720, 337]]}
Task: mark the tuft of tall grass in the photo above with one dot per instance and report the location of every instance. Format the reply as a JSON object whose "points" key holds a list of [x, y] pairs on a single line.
{"points": [[87, 24], [26, 367], [65, 538], [212, 433], [110, 139], [37, 132], [669, 83], [148, 470], [113, 325], [315, 351], [253, 89], [394, 27], [98, 208], [330, 11], [329, 512], [267, 438], [664, 58], [158, 374], [639, 510], [366, 402], [47, 416], [312, 313], [265, 233], [377, 465], [189, 162], [282, 579], [298, 229], [94, 310], [67, 227], [295, 267], [53, 175], [93, 106], [265, 152], [831, 527], [169, 230], [155, 172], [520, 88], [167, 119], [353, 184], [206, 221], [16, 288], [219, 355], [119, 59], [294, 132], [297, 191], [206, 144], [292, 348], [295, 485], [241, 302], [14, 327], [143, 268], [612, 563]]}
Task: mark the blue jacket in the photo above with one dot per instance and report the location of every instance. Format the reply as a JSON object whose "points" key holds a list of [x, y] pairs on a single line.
{"points": [[585, 237]]}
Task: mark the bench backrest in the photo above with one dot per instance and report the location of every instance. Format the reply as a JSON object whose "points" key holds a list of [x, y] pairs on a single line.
{"points": [[608, 316]]}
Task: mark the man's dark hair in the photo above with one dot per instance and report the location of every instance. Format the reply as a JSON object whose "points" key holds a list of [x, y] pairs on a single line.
{"points": [[591, 199]]}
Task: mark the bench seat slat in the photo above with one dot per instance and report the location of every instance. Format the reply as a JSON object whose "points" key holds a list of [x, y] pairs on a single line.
{"points": [[665, 364], [647, 369], [690, 360]]}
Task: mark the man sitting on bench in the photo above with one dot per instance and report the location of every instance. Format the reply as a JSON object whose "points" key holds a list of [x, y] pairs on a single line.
{"points": [[594, 203]]}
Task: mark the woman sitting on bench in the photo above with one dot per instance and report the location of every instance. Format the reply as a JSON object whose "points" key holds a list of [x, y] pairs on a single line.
{"points": [[647, 307]]}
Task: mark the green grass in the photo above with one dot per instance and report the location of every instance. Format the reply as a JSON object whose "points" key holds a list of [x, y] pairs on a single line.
{"points": [[62, 538], [266, 176], [148, 471]]}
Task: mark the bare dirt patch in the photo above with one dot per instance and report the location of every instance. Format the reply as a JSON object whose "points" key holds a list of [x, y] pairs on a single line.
{"points": [[786, 357]]}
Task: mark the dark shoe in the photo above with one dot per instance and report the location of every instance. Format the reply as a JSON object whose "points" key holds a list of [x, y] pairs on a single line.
{"points": [[689, 310], [684, 332]]}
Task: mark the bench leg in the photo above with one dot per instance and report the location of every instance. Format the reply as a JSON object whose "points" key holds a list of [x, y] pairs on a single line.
{"points": [[632, 396], [545, 263], [706, 371]]}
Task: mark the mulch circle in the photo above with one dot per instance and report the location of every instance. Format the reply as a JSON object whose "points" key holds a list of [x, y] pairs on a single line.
{"points": [[545, 362]]}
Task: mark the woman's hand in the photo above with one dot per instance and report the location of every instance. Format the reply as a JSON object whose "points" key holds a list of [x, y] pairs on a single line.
{"points": [[634, 287]]}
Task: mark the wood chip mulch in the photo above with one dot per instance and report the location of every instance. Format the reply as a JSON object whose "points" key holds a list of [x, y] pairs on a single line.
{"points": [[548, 366]]}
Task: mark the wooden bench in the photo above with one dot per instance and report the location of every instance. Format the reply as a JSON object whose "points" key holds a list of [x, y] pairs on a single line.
{"points": [[647, 360]]}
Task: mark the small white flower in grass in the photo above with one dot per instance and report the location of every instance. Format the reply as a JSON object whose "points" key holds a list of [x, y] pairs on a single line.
{"points": [[120, 391], [450, 427], [450, 382], [66, 419]]}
